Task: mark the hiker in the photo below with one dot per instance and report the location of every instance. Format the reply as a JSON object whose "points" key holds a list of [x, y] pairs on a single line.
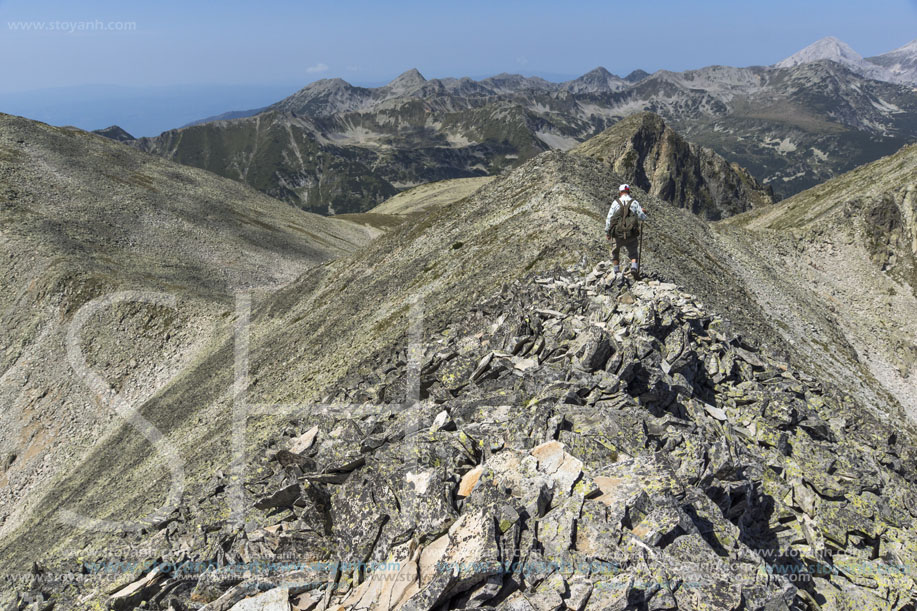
{"points": [[622, 225]]}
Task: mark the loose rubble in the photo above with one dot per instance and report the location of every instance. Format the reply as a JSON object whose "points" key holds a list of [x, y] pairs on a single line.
{"points": [[579, 443]]}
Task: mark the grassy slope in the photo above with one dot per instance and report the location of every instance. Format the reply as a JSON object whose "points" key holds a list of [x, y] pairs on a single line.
{"points": [[425, 196], [278, 156], [82, 216]]}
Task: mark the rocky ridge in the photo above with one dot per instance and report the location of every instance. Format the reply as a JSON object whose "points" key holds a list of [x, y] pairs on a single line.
{"points": [[647, 153], [333, 342], [901, 62], [577, 443]]}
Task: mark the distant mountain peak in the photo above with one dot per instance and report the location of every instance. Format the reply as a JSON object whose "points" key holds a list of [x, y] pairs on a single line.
{"points": [[115, 132], [409, 78], [599, 71], [325, 82], [325, 85], [828, 47], [636, 76], [596, 80], [901, 63], [833, 49]]}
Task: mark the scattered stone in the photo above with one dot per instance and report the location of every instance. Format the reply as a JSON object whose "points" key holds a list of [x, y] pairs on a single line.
{"points": [[716, 412], [581, 447], [469, 481], [138, 590], [304, 442], [277, 599], [442, 422], [281, 498]]}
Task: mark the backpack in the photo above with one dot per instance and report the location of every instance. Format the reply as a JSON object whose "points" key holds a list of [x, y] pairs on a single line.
{"points": [[624, 225]]}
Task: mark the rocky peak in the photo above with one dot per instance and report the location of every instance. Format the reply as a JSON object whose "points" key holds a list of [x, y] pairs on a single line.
{"points": [[324, 97], [636, 76], [328, 84], [599, 72], [406, 81], [596, 81], [115, 132], [652, 156]]}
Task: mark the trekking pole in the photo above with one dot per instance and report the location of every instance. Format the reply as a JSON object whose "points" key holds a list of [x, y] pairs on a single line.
{"points": [[640, 251]]}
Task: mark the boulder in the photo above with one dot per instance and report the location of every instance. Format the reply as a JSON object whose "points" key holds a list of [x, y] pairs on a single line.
{"points": [[277, 599]]}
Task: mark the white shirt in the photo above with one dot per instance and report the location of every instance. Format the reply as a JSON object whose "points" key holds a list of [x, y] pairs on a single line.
{"points": [[634, 207]]}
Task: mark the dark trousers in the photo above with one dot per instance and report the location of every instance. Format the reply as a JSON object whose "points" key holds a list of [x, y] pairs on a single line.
{"points": [[630, 244]]}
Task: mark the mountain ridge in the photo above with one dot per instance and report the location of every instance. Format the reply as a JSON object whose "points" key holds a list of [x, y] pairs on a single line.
{"points": [[789, 127], [900, 62], [541, 373]]}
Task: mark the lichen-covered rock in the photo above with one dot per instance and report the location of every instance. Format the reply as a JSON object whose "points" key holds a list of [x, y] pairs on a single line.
{"points": [[589, 453]]}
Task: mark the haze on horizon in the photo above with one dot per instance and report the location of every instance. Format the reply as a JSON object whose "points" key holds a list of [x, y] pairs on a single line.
{"points": [[241, 55]]}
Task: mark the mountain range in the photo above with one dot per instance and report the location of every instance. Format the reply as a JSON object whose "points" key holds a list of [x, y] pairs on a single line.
{"points": [[436, 394], [332, 147], [747, 402]]}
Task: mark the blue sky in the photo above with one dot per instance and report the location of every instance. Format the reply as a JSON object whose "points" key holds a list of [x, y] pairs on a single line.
{"points": [[281, 43], [276, 41]]}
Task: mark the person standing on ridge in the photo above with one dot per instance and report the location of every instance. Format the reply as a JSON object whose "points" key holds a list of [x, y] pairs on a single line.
{"points": [[622, 224]]}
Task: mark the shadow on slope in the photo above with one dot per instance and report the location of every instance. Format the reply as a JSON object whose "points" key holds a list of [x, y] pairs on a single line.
{"points": [[82, 217]]}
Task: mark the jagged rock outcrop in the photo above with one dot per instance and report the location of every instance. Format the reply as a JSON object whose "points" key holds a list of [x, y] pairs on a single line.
{"points": [[650, 155], [115, 132], [577, 443]]}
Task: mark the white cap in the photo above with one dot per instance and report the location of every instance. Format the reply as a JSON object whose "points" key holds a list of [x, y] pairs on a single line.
{"points": [[624, 187]]}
